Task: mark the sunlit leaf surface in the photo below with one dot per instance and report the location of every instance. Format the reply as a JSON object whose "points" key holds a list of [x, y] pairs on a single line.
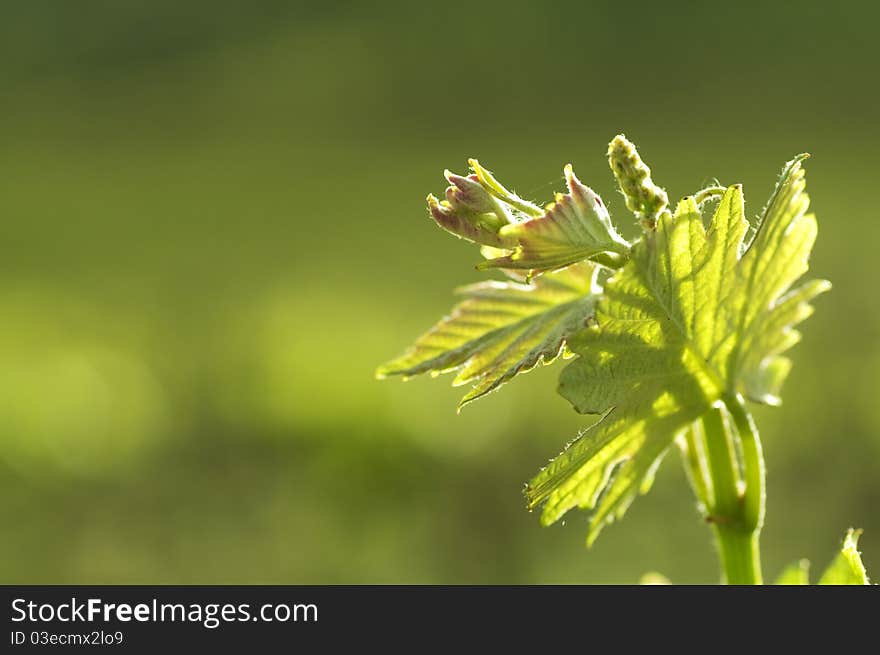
{"points": [[502, 329], [696, 315]]}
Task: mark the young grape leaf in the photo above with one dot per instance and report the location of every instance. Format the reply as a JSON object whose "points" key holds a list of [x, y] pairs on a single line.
{"points": [[694, 317], [502, 329], [575, 227], [472, 213], [847, 567]]}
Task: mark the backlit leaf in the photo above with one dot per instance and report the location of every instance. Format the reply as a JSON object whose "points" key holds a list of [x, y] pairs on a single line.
{"points": [[847, 567], [694, 317], [573, 228], [502, 329]]}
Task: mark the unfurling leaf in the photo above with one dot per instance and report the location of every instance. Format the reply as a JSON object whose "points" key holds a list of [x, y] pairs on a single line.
{"points": [[576, 226], [474, 211], [502, 329], [847, 567], [694, 317], [573, 228]]}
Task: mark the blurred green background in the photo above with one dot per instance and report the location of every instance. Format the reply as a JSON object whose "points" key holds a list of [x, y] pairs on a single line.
{"points": [[213, 230]]}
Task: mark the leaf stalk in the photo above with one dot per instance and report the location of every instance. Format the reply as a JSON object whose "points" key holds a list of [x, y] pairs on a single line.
{"points": [[730, 490]]}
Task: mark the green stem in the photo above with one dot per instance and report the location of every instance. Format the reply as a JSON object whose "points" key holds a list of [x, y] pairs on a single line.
{"points": [[740, 556], [696, 465], [734, 494], [612, 260], [753, 463]]}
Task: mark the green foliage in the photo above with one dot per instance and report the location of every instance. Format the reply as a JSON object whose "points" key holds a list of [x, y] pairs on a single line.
{"points": [[845, 569], [474, 211], [671, 335], [502, 329], [573, 228], [696, 316]]}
